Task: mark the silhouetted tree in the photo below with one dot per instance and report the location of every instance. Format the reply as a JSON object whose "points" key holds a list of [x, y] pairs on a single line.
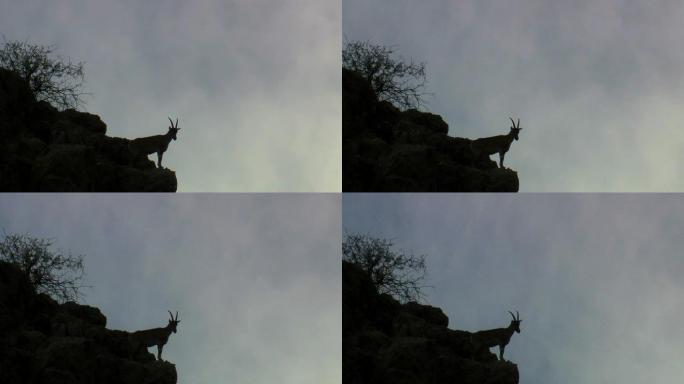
{"points": [[50, 77], [391, 271], [49, 271], [392, 79]]}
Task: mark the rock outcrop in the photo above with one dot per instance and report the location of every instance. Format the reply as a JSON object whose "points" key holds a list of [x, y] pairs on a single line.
{"points": [[43, 149], [387, 150], [43, 342], [385, 342]]}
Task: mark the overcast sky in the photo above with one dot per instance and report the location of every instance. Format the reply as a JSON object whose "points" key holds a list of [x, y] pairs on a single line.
{"points": [[597, 84], [255, 278], [255, 83], [597, 278]]}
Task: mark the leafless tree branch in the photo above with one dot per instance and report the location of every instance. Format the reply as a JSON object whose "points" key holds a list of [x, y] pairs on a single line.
{"points": [[51, 78], [49, 271], [395, 80], [391, 271]]}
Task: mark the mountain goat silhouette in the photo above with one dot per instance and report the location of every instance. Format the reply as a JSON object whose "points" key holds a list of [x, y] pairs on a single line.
{"points": [[498, 336], [157, 143], [156, 336], [496, 144]]}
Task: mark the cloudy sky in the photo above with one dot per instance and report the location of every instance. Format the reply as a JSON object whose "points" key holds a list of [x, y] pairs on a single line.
{"points": [[255, 278], [598, 84], [255, 83], [596, 278]]}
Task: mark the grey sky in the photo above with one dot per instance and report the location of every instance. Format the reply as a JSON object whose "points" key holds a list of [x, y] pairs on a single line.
{"points": [[597, 83], [255, 83], [596, 278], [255, 278]]}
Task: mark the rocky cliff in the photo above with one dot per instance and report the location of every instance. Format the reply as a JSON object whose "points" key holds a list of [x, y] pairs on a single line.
{"points": [[385, 149], [385, 342], [42, 149], [43, 342]]}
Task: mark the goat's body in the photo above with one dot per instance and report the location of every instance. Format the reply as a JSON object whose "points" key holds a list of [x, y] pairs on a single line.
{"points": [[488, 146], [494, 337], [500, 144], [155, 336], [151, 337], [149, 145], [491, 145]]}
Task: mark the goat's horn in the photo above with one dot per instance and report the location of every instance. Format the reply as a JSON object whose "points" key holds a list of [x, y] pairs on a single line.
{"points": [[518, 128], [512, 122], [171, 121], [176, 316], [512, 315], [171, 314], [516, 312], [177, 123]]}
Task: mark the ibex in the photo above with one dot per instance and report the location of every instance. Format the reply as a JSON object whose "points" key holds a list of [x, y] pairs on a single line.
{"points": [[499, 336], [157, 143], [156, 336], [487, 146]]}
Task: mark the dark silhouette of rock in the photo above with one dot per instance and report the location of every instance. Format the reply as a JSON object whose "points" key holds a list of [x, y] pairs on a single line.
{"points": [[42, 341], [385, 342], [387, 150], [43, 149]]}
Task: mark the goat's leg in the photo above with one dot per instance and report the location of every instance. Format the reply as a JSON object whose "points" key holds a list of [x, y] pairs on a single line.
{"points": [[501, 352], [159, 159], [501, 159], [159, 352]]}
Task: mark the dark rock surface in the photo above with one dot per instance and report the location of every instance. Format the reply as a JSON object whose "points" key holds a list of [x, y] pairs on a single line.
{"points": [[42, 341], [385, 342], [387, 150], [43, 149]]}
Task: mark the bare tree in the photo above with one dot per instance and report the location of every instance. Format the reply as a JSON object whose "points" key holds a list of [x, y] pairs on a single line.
{"points": [[49, 271], [393, 79], [391, 271], [51, 78]]}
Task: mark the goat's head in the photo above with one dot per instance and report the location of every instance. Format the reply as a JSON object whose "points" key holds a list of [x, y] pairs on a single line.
{"points": [[173, 322], [515, 129], [515, 323], [173, 129]]}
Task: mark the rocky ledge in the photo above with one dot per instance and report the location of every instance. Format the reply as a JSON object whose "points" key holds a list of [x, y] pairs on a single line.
{"points": [[43, 342], [386, 342], [43, 149], [388, 150]]}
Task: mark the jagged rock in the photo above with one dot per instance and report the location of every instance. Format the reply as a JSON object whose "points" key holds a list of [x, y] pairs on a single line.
{"points": [[43, 342], [386, 342], [43, 149], [387, 150]]}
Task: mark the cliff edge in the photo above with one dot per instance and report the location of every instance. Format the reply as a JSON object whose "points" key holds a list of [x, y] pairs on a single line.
{"points": [[385, 342], [43, 342], [388, 150], [43, 149]]}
